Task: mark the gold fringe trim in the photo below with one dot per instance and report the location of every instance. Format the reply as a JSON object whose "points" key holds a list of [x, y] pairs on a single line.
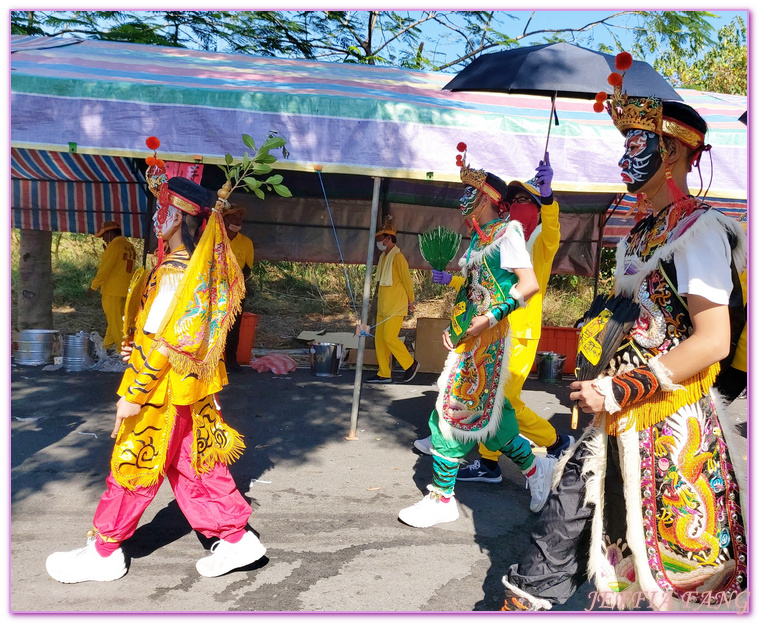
{"points": [[662, 404], [227, 455]]}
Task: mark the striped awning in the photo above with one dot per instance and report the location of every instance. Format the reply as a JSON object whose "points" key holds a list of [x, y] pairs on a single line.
{"points": [[59, 191], [621, 220]]}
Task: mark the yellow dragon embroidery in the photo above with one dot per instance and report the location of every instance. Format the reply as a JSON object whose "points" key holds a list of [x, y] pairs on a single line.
{"points": [[687, 517]]}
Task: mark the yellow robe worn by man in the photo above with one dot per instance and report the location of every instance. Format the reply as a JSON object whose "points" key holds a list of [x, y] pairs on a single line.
{"points": [[112, 278], [395, 298]]}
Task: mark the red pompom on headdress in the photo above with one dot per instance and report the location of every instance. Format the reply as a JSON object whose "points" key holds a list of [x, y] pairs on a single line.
{"points": [[623, 61]]}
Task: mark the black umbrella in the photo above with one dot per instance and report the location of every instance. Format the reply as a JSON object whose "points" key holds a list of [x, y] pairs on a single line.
{"points": [[744, 118], [557, 70]]}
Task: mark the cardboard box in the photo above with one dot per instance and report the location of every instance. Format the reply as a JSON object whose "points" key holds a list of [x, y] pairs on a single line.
{"points": [[429, 349], [370, 357]]}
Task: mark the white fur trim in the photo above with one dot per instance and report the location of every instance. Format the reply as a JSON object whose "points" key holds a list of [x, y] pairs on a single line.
{"points": [[603, 387], [450, 432], [537, 602], [737, 447], [467, 261], [629, 284], [517, 296], [594, 469], [663, 375]]}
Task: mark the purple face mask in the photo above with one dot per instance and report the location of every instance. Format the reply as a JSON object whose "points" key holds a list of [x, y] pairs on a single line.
{"points": [[641, 160]]}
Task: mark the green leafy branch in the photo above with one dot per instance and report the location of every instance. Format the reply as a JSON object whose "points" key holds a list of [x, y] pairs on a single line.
{"points": [[240, 175]]}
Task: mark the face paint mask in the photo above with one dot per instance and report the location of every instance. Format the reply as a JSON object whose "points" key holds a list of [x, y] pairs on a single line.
{"points": [[527, 215], [163, 220], [468, 200], [381, 246], [642, 158]]}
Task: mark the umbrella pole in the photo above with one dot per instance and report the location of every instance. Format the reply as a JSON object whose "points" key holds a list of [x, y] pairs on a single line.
{"points": [[550, 120]]}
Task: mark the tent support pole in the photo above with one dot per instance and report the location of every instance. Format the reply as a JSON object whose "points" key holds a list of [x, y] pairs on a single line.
{"points": [[364, 310]]}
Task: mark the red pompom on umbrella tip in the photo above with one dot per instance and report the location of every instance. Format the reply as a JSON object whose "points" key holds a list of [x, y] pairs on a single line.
{"points": [[623, 61], [615, 79], [601, 96], [152, 142], [598, 107], [461, 146]]}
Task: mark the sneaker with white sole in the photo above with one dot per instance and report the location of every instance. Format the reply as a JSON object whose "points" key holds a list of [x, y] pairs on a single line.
{"points": [[227, 556], [424, 445], [540, 482], [86, 565], [409, 374], [431, 510], [566, 441], [477, 471]]}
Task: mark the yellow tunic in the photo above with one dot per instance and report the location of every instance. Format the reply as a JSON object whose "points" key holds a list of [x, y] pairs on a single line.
{"points": [[242, 247], [116, 268]]}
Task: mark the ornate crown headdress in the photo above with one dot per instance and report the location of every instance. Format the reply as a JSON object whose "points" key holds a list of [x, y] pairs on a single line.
{"points": [[492, 185], [643, 113], [647, 113]]}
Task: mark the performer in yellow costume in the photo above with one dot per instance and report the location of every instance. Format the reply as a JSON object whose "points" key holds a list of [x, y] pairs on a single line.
{"points": [[168, 421], [242, 248], [395, 299], [112, 279]]}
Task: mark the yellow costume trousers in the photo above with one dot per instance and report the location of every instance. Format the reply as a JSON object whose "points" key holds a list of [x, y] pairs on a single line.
{"points": [[531, 425], [387, 344], [113, 307]]}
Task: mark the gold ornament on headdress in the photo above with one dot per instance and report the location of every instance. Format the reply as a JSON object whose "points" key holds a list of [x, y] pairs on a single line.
{"points": [[475, 177], [641, 113]]}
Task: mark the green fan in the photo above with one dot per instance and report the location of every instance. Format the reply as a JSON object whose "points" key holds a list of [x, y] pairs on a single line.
{"points": [[439, 246]]}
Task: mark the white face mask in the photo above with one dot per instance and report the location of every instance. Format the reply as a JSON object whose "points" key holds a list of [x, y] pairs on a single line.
{"points": [[381, 246], [234, 228], [168, 222]]}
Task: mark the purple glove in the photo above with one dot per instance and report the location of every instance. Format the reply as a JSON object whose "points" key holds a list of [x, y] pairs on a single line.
{"points": [[440, 276], [544, 176]]}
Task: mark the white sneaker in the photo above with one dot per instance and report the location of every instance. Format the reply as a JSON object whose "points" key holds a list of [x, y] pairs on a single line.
{"points": [[429, 511], [85, 565], [226, 556], [540, 482], [424, 445]]}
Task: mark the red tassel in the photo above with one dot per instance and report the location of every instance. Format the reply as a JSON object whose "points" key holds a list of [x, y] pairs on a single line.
{"points": [[485, 239], [159, 251]]}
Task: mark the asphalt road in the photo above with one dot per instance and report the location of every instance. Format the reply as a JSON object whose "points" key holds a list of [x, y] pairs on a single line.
{"points": [[325, 508]]}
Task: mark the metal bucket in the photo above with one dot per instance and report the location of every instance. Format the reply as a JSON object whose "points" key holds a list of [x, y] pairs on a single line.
{"points": [[325, 358], [35, 347], [550, 367], [77, 352]]}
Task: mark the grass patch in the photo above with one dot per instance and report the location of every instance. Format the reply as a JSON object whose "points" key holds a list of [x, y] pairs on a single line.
{"points": [[288, 297]]}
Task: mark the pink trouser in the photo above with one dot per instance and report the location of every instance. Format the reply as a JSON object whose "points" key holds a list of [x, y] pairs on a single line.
{"points": [[211, 502]]}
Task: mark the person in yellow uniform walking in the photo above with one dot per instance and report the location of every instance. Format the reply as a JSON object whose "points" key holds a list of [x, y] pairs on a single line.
{"points": [[112, 279], [533, 205], [242, 247], [395, 299]]}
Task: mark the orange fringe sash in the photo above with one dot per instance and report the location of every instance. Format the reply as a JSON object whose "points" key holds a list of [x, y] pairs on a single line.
{"points": [[650, 412]]}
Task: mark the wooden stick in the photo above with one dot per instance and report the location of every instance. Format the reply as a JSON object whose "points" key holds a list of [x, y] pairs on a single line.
{"points": [[575, 415]]}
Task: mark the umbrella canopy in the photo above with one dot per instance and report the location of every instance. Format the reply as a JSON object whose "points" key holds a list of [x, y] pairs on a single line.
{"points": [[559, 69]]}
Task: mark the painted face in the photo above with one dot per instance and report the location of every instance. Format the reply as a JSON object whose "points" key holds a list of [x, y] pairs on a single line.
{"points": [[469, 200], [641, 160], [163, 220]]}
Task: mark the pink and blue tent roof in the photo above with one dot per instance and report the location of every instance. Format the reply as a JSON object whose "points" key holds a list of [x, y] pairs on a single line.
{"points": [[105, 98]]}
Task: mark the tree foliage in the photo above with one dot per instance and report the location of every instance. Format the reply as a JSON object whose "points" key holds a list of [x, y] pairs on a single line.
{"points": [[721, 69], [429, 40]]}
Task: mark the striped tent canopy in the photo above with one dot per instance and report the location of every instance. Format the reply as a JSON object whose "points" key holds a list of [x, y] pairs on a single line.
{"points": [[58, 191], [349, 121]]}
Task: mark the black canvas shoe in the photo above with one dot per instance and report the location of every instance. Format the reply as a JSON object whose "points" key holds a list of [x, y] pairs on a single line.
{"points": [[411, 372]]}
